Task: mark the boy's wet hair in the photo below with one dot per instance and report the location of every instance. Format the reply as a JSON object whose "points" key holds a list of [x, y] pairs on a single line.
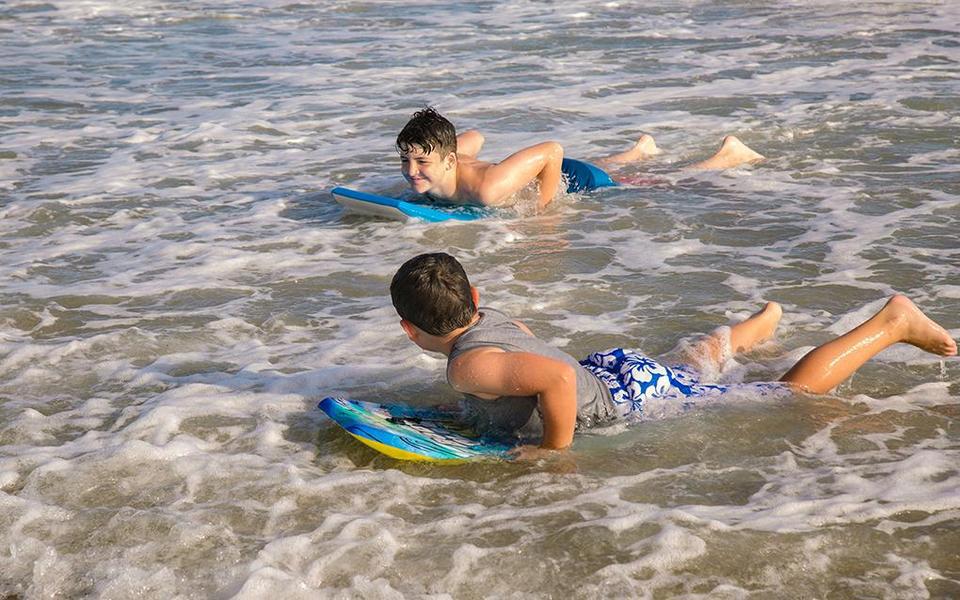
{"points": [[432, 292], [427, 130]]}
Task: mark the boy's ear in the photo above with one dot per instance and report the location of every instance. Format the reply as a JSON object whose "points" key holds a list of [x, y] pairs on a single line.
{"points": [[450, 160], [410, 329], [475, 294]]}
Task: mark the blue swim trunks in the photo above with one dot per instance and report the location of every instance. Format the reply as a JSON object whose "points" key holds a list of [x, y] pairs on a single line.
{"points": [[636, 381]]}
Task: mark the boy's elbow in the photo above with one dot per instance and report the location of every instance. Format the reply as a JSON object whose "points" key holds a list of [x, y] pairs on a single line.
{"points": [[565, 376], [554, 150], [474, 136]]}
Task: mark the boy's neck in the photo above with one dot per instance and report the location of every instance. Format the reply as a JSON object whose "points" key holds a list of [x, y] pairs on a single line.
{"points": [[444, 344], [448, 189]]}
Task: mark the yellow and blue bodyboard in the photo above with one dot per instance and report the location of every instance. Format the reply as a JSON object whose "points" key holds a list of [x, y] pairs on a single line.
{"points": [[409, 433]]}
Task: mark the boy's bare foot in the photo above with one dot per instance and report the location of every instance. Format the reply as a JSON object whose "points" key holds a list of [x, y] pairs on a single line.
{"points": [[917, 328], [732, 153], [760, 327], [644, 148]]}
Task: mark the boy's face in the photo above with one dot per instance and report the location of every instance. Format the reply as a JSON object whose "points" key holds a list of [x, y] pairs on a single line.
{"points": [[425, 171]]}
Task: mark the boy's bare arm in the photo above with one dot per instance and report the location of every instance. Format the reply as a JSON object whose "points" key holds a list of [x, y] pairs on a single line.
{"points": [[469, 143], [524, 328], [541, 162], [490, 372]]}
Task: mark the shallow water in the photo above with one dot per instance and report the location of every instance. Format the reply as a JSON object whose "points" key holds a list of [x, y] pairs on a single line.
{"points": [[179, 291]]}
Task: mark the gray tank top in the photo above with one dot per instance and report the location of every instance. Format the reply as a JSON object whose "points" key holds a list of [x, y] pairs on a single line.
{"points": [[517, 414]]}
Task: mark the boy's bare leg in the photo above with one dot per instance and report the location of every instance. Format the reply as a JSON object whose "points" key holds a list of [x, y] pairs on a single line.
{"points": [[732, 153], [757, 328], [644, 148], [824, 367]]}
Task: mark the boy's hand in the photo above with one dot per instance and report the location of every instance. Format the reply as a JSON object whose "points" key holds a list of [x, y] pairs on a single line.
{"points": [[530, 452], [558, 461]]}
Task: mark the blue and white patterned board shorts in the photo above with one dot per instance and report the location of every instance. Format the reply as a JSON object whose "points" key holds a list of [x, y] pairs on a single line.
{"points": [[636, 380]]}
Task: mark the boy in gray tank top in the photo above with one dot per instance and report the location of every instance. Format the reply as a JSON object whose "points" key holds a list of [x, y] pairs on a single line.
{"points": [[507, 414], [515, 383]]}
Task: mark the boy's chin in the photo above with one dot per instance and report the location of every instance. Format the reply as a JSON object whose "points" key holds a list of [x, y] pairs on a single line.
{"points": [[420, 189]]}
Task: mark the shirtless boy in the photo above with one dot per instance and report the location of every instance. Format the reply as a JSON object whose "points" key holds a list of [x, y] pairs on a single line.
{"points": [[515, 383], [444, 166]]}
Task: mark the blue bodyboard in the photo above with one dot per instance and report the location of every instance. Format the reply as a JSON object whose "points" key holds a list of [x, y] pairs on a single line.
{"points": [[405, 210], [581, 176], [408, 433]]}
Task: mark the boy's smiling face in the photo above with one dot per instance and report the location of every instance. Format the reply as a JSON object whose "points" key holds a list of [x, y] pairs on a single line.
{"points": [[426, 171]]}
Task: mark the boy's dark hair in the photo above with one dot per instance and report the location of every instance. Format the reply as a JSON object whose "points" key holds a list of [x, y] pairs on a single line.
{"points": [[428, 130], [432, 292]]}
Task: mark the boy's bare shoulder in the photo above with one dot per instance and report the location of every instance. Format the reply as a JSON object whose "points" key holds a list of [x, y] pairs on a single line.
{"points": [[470, 179], [465, 370], [473, 356]]}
